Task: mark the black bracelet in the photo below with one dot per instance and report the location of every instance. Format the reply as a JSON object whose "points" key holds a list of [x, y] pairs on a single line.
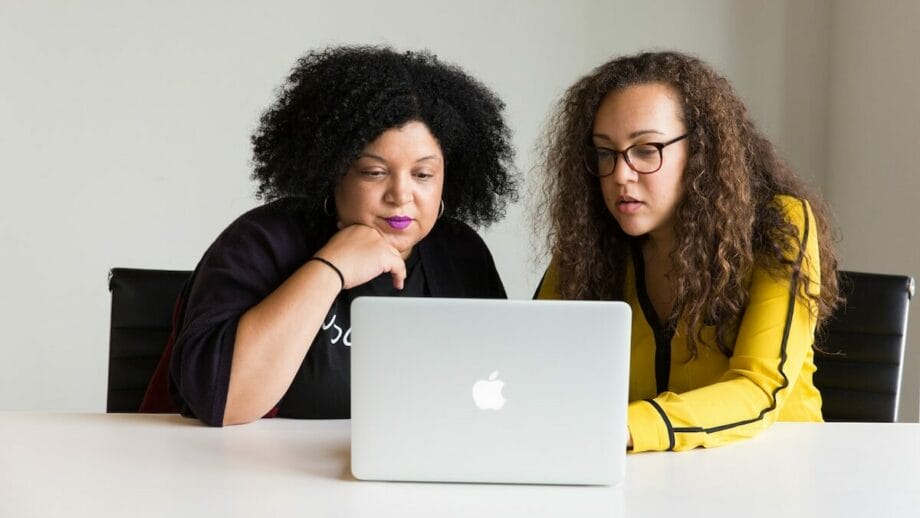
{"points": [[330, 265]]}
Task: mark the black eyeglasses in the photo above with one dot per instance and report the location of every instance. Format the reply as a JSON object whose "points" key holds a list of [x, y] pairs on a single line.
{"points": [[645, 158]]}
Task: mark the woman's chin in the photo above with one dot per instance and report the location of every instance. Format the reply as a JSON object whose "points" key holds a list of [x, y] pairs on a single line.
{"points": [[403, 244], [631, 229]]}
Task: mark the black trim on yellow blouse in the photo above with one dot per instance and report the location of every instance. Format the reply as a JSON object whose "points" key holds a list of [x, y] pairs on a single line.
{"points": [[782, 354], [667, 423], [663, 333]]}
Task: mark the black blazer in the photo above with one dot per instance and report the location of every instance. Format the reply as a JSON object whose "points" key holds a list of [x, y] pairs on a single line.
{"points": [[254, 256]]}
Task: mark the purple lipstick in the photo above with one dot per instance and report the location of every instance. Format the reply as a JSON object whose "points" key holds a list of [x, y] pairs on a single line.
{"points": [[399, 222]]}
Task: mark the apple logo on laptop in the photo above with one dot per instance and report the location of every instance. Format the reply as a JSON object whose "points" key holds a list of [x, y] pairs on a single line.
{"points": [[488, 394]]}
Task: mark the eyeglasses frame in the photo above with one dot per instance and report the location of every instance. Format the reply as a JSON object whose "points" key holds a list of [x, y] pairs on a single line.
{"points": [[625, 153]]}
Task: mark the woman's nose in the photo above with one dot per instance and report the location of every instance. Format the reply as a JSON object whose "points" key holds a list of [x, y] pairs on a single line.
{"points": [[399, 190], [622, 172]]}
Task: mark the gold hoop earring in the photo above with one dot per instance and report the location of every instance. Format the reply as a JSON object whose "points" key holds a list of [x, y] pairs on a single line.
{"points": [[326, 206], [441, 211]]}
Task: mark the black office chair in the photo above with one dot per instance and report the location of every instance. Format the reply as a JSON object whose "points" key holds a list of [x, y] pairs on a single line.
{"points": [[861, 351], [142, 306]]}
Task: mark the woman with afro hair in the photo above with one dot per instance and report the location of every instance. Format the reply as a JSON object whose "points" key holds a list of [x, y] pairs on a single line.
{"points": [[661, 192], [374, 165]]}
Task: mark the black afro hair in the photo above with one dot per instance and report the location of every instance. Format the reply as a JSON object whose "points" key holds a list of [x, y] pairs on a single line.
{"points": [[339, 99]]}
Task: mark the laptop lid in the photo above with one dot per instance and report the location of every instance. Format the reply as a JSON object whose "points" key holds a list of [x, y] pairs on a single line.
{"points": [[477, 390]]}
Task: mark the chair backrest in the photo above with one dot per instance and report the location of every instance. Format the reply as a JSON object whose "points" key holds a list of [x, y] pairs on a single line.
{"points": [[142, 305], [860, 353]]}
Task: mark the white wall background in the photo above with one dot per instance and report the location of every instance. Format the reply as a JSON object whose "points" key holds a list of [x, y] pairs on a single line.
{"points": [[124, 130], [873, 149]]}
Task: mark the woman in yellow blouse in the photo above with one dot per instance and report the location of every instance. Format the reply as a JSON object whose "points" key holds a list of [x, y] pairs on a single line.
{"points": [[661, 192]]}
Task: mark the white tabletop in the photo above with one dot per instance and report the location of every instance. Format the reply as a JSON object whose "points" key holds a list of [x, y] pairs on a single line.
{"points": [[146, 465]]}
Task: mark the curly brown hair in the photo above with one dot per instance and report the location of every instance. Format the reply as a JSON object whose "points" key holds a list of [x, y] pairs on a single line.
{"points": [[726, 222]]}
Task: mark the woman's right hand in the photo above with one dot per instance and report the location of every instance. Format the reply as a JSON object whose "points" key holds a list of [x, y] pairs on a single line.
{"points": [[361, 253], [273, 336]]}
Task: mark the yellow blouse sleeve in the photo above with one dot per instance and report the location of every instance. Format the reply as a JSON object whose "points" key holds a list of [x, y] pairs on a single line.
{"points": [[548, 287], [774, 341]]}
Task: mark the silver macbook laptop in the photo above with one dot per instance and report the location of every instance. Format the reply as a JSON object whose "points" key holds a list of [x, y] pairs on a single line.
{"points": [[473, 390]]}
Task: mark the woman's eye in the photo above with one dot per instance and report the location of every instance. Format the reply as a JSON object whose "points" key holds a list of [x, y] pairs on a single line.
{"points": [[423, 175], [373, 173], [605, 154], [645, 151]]}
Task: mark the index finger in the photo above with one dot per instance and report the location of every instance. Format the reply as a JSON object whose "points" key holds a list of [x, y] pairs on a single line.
{"points": [[398, 271]]}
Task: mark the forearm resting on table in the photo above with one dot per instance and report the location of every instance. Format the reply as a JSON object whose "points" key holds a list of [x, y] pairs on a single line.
{"points": [[273, 338]]}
